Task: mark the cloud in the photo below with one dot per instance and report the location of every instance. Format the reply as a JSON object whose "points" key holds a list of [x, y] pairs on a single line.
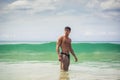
{"points": [[19, 4], [93, 4], [112, 9], [106, 9], [32, 6], [57, 7], [62, 7], [93, 19], [110, 4]]}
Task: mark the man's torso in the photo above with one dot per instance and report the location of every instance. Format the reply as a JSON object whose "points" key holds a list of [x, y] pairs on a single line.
{"points": [[65, 45]]}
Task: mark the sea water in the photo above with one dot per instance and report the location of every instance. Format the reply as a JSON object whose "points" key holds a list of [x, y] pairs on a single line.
{"points": [[46, 51], [37, 60]]}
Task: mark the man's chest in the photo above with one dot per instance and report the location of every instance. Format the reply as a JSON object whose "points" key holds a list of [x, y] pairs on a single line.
{"points": [[66, 41]]}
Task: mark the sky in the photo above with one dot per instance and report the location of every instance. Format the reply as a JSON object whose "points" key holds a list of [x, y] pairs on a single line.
{"points": [[44, 20]]}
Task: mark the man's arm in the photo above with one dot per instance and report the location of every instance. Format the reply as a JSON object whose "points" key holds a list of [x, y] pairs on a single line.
{"points": [[72, 52], [58, 45]]}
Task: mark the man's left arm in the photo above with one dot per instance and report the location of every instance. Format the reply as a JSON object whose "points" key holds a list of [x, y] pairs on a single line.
{"points": [[72, 52]]}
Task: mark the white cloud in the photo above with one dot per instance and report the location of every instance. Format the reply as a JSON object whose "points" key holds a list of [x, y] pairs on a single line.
{"points": [[19, 4], [110, 4], [106, 9], [32, 5], [93, 4], [103, 4], [87, 18]]}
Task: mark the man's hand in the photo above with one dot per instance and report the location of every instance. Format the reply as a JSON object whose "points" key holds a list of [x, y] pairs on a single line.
{"points": [[59, 57], [76, 59]]}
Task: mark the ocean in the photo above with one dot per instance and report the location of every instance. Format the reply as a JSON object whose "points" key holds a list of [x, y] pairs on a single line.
{"points": [[37, 60], [46, 51]]}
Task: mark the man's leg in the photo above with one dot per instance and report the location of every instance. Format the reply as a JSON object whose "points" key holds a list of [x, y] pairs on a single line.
{"points": [[61, 66], [65, 63]]}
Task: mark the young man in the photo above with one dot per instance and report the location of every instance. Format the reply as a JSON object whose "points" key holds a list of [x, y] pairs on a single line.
{"points": [[64, 43]]}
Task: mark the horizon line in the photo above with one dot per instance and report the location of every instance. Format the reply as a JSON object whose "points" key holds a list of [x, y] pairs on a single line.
{"points": [[55, 41]]}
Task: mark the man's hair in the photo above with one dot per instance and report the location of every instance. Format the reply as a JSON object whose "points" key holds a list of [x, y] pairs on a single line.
{"points": [[67, 27]]}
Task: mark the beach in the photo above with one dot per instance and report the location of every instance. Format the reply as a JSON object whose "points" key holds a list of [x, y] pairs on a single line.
{"points": [[35, 35], [51, 71]]}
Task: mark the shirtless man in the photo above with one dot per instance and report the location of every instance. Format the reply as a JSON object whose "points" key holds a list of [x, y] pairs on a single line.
{"points": [[64, 43]]}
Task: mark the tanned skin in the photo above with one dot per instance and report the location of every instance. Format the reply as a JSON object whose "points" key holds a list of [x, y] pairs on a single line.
{"points": [[64, 44]]}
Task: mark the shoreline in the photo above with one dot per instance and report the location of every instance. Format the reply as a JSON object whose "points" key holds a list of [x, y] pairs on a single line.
{"points": [[51, 71]]}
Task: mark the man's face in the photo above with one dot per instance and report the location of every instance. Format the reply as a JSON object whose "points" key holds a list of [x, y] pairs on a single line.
{"points": [[67, 31]]}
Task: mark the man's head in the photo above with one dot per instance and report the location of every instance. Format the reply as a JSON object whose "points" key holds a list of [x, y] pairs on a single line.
{"points": [[67, 30]]}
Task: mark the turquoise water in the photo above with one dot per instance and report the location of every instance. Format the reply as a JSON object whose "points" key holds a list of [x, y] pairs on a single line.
{"points": [[104, 52], [37, 60]]}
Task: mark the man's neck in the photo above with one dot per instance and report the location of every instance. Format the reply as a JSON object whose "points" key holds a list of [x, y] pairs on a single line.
{"points": [[66, 36]]}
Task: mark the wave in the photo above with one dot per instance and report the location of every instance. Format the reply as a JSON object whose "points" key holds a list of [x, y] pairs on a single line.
{"points": [[50, 46], [47, 51]]}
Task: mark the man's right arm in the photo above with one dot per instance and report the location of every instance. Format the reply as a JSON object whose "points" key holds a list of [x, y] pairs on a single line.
{"points": [[59, 42]]}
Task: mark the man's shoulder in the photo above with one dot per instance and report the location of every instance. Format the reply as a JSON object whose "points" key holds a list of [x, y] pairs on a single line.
{"points": [[61, 37]]}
